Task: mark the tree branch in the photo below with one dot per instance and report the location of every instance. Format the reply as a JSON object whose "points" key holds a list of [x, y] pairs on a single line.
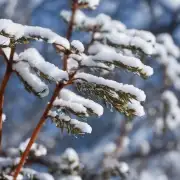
{"points": [[70, 30], [3, 87], [37, 129]]}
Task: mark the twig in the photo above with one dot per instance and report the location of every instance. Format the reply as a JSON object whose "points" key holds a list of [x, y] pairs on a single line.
{"points": [[70, 30], [58, 88], [3, 87], [37, 129]]}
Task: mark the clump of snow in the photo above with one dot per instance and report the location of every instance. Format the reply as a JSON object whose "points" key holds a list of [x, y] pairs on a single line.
{"points": [[37, 149], [70, 177], [82, 126], [4, 41], [3, 117], [70, 155], [91, 3], [173, 110], [24, 70], [75, 107], [139, 94], [35, 60], [36, 175], [167, 41], [77, 45], [18, 31], [137, 107], [145, 148], [122, 39], [110, 55], [68, 95], [102, 22]]}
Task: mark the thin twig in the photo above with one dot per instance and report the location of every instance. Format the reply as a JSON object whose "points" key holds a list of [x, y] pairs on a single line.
{"points": [[37, 129], [3, 87], [59, 87], [70, 30]]}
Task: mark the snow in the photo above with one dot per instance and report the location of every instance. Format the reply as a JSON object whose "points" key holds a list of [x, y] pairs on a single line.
{"points": [[168, 54], [145, 148], [3, 117], [72, 65], [4, 162], [35, 59], [23, 69], [101, 22], [75, 107], [38, 149], [70, 177], [173, 110], [79, 16], [82, 126], [174, 5], [4, 41], [124, 168], [77, 45], [137, 107], [110, 55], [170, 97], [91, 3], [7, 52], [146, 35], [139, 94], [111, 164], [109, 148], [71, 155], [122, 39], [19, 177], [97, 47], [43, 176], [61, 117], [167, 41], [75, 124], [68, 95], [18, 31], [36, 175], [87, 61]]}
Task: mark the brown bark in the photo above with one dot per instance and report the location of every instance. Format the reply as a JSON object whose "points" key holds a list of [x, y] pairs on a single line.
{"points": [[70, 30], [49, 106], [37, 130]]}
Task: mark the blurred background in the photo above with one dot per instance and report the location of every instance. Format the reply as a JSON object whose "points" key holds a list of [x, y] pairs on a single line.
{"points": [[23, 110]]}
